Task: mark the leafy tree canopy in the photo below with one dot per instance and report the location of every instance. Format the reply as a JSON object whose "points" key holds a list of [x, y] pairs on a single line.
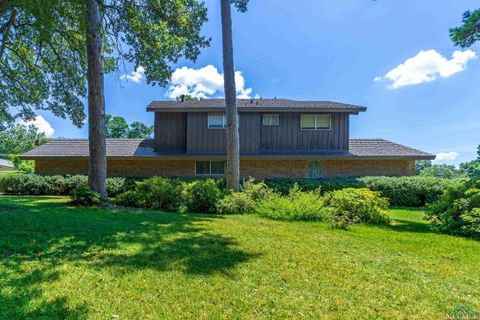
{"points": [[117, 127], [420, 165], [18, 139], [43, 54], [441, 171], [469, 32]]}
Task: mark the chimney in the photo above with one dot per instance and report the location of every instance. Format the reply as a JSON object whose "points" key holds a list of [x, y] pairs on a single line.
{"points": [[251, 101], [182, 98]]}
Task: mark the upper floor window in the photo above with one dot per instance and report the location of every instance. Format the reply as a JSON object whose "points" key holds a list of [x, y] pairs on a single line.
{"points": [[315, 122], [217, 121], [210, 167], [270, 120]]}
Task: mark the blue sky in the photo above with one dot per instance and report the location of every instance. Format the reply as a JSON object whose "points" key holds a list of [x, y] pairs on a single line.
{"points": [[333, 50]]}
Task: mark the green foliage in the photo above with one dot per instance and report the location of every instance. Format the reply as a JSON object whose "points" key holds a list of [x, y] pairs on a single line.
{"points": [[457, 211], [139, 130], [241, 5], [283, 185], [441, 171], [401, 191], [201, 196], [154, 193], [256, 190], [296, 206], [420, 165], [472, 168], [25, 166], [117, 127], [44, 64], [32, 184], [469, 32], [236, 203], [84, 196], [351, 206]]}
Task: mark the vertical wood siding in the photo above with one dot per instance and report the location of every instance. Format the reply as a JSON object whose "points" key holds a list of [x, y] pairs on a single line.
{"points": [[189, 133], [170, 132], [288, 137]]}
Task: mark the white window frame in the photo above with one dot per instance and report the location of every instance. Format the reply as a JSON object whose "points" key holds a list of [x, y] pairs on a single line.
{"points": [[317, 128], [209, 168], [271, 116], [224, 120]]}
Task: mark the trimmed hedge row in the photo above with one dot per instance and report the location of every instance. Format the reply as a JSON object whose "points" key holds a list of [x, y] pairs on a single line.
{"points": [[36, 185], [401, 191]]}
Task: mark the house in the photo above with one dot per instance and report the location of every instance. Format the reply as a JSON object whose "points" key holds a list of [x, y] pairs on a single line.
{"points": [[278, 138], [6, 165]]}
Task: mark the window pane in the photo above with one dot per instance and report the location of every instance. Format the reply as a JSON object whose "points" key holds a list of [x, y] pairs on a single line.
{"points": [[218, 167], [216, 120], [307, 121], [323, 121], [270, 120], [202, 167]]}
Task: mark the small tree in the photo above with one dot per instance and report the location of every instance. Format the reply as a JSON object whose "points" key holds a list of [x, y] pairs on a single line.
{"points": [[469, 32]]}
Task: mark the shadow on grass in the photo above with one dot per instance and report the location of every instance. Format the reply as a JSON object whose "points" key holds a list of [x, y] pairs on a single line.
{"points": [[46, 232]]}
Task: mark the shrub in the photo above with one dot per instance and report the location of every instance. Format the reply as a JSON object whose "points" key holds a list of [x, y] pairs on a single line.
{"points": [[115, 186], [408, 191], [153, 193], [84, 196], [401, 191], [283, 185], [351, 206], [297, 205], [201, 195], [237, 202], [256, 190], [23, 184], [457, 212]]}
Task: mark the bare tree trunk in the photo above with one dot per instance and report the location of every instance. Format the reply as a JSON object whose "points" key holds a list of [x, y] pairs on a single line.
{"points": [[97, 173], [233, 139]]}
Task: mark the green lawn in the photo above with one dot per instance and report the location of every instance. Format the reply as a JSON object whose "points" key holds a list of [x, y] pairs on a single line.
{"points": [[60, 262]]}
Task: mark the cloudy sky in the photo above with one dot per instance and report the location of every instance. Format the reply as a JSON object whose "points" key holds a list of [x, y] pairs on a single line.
{"points": [[395, 57]]}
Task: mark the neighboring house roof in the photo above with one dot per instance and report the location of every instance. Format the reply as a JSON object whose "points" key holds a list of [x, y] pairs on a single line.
{"points": [[6, 163], [138, 148], [254, 105]]}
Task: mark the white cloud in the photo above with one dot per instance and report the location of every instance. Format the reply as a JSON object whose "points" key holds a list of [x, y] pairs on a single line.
{"points": [[446, 156], [135, 76], [205, 82], [426, 66], [42, 125]]}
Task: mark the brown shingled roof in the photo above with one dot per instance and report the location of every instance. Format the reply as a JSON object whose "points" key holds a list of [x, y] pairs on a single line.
{"points": [[137, 148], [252, 105]]}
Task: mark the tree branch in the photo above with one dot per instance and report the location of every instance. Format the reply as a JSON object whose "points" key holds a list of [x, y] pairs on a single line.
{"points": [[6, 32]]}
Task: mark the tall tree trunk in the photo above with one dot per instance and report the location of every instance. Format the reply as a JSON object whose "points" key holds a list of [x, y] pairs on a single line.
{"points": [[233, 139], [97, 173]]}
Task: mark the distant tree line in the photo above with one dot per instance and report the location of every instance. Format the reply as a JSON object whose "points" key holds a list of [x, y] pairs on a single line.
{"points": [[470, 169], [117, 127]]}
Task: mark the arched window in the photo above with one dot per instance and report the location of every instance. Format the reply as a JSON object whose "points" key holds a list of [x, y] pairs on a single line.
{"points": [[314, 169]]}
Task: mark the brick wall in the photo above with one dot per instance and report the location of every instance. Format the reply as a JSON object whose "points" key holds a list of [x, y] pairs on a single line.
{"points": [[260, 169]]}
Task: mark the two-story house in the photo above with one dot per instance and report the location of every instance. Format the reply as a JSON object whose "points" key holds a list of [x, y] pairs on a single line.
{"points": [[278, 138]]}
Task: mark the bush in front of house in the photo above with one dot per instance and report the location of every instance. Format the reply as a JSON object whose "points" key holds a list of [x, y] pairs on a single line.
{"points": [[84, 196], [23, 184], [297, 205], [401, 191], [33, 184], [201, 195], [408, 191], [355, 205], [457, 211], [153, 193], [236, 203]]}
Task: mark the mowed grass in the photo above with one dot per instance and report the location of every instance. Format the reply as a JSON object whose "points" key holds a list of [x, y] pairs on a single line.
{"points": [[60, 262]]}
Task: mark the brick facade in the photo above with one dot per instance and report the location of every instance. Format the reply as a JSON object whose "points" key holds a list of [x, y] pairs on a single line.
{"points": [[259, 169]]}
